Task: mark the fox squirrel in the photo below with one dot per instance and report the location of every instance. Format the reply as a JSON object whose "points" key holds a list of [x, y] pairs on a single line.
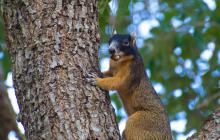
{"points": [[147, 118]]}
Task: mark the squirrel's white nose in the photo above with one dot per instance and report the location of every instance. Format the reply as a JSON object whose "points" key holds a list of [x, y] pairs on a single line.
{"points": [[112, 47], [111, 50]]}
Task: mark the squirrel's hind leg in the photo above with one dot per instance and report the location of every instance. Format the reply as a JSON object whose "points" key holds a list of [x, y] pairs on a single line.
{"points": [[139, 127]]}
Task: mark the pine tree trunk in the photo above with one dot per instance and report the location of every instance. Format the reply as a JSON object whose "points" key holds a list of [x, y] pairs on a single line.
{"points": [[52, 45]]}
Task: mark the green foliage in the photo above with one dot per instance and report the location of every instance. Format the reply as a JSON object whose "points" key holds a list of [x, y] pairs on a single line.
{"points": [[104, 12], [198, 31], [123, 18], [5, 63], [192, 45]]}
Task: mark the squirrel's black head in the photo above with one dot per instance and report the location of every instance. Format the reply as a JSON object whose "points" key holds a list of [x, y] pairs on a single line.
{"points": [[122, 45]]}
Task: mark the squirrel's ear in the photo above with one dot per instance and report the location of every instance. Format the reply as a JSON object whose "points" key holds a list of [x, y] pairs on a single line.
{"points": [[133, 38]]}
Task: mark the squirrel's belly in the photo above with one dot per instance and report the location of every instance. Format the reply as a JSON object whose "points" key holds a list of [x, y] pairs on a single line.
{"points": [[127, 102]]}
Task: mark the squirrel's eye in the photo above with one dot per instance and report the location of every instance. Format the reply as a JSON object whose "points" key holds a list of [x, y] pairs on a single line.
{"points": [[125, 43]]}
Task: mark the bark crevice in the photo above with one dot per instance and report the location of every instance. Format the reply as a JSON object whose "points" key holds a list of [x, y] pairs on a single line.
{"points": [[53, 44]]}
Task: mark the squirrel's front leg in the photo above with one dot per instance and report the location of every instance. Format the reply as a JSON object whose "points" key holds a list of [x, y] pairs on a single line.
{"points": [[108, 83], [107, 73]]}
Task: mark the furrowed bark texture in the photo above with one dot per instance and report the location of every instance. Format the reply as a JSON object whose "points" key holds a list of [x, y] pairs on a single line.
{"points": [[210, 129], [52, 45]]}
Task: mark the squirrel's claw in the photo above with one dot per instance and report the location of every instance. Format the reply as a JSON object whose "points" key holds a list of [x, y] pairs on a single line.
{"points": [[92, 81], [91, 78], [91, 75]]}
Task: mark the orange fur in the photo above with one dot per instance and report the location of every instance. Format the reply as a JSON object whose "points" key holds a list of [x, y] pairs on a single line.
{"points": [[119, 70]]}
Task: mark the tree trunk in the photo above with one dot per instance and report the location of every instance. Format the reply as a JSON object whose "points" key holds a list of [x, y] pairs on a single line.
{"points": [[53, 44], [210, 129]]}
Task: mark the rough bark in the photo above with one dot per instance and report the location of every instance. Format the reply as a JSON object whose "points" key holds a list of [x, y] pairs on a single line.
{"points": [[52, 45], [210, 129]]}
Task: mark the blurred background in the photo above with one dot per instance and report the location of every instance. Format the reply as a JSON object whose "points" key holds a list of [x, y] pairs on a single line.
{"points": [[180, 44]]}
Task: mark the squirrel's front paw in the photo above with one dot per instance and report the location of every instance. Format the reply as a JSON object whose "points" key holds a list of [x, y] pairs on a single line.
{"points": [[91, 78]]}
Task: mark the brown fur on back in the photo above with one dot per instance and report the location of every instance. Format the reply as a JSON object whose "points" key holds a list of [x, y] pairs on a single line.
{"points": [[147, 118]]}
